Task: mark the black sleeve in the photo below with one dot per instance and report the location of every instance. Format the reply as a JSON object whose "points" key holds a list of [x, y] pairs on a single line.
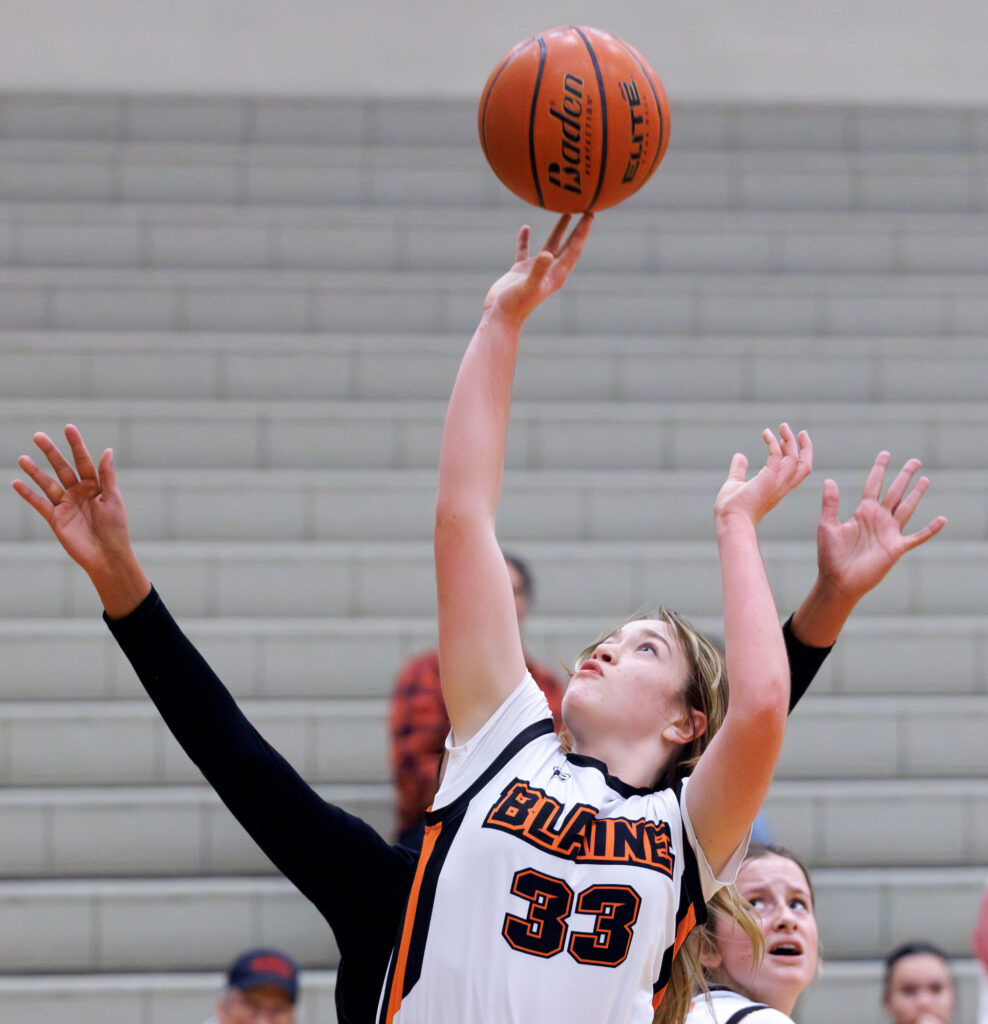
{"points": [[356, 880], [804, 663]]}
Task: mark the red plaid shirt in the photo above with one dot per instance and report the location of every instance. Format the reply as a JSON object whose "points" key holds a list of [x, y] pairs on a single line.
{"points": [[419, 726]]}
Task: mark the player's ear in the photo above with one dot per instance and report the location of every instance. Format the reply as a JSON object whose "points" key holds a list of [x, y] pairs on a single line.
{"points": [[710, 958], [689, 726]]}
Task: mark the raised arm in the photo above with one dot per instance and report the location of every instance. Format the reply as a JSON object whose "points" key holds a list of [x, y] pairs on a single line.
{"points": [[730, 781], [480, 651], [84, 508]]}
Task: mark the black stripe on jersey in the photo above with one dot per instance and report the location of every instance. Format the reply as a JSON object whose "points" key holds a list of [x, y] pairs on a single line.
{"points": [[690, 896], [523, 738], [450, 818], [622, 788]]}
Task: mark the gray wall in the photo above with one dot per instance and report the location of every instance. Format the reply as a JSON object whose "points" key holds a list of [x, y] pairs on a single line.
{"points": [[879, 51]]}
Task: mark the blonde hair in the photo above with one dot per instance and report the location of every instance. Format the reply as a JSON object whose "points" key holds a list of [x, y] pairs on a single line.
{"points": [[705, 690]]}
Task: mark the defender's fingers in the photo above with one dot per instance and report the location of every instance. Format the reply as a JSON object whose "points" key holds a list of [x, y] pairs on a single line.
{"points": [[830, 503], [61, 466], [41, 504], [51, 488], [107, 474], [772, 441], [900, 484], [80, 453], [905, 508], [922, 536], [873, 482]]}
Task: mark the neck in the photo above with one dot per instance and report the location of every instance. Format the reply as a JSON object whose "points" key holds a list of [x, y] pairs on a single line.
{"points": [[636, 765]]}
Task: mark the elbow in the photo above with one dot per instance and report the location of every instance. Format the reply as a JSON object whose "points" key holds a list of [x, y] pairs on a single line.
{"points": [[764, 707]]}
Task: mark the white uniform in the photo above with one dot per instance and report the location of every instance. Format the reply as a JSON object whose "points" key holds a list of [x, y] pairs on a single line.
{"points": [[724, 1004], [546, 889]]}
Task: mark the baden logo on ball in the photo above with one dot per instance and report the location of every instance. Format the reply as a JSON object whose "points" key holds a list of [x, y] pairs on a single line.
{"points": [[573, 120]]}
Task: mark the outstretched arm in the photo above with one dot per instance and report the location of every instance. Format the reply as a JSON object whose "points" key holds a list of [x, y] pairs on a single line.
{"points": [[730, 781], [855, 556], [84, 508], [480, 651]]}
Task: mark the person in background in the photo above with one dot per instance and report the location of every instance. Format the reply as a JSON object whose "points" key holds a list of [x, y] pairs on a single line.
{"points": [[261, 985], [419, 725], [918, 986], [760, 974]]}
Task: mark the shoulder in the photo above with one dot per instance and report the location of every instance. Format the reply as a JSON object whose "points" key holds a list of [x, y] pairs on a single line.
{"points": [[724, 1006]]}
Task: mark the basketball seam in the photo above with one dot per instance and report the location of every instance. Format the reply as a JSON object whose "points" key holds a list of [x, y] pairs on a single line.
{"points": [[603, 116], [531, 119]]}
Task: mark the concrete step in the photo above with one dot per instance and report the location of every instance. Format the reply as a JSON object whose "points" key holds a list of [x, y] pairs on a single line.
{"points": [[151, 998], [581, 435], [358, 579], [122, 742], [92, 925], [184, 831], [388, 122], [846, 990], [455, 173], [63, 298], [246, 365], [101, 926], [287, 657], [389, 505], [172, 235], [125, 743], [150, 831]]}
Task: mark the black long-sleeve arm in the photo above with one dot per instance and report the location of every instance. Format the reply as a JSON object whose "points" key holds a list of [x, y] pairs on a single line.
{"points": [[356, 880]]}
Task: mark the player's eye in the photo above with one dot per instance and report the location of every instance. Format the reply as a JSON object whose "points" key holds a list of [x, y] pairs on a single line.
{"points": [[648, 646]]}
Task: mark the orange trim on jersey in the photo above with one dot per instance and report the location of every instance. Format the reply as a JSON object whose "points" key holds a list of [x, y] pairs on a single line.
{"points": [[401, 956], [687, 925]]}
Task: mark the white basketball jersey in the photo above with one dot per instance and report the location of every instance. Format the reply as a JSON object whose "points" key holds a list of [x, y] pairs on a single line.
{"points": [[546, 889], [722, 1004]]}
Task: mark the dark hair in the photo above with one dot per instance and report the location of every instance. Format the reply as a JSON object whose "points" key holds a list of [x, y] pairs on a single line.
{"points": [[521, 567], [918, 948]]}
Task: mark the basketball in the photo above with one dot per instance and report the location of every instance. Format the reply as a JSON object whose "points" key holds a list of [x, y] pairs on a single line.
{"points": [[573, 120]]}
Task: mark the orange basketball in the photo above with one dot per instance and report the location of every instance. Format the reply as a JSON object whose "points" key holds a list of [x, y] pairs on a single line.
{"points": [[573, 119]]}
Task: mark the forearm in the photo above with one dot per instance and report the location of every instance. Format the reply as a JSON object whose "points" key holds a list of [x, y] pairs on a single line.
{"points": [[755, 650], [821, 616], [475, 431]]}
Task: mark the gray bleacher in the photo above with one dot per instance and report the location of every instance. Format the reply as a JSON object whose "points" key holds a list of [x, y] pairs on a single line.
{"points": [[260, 305]]}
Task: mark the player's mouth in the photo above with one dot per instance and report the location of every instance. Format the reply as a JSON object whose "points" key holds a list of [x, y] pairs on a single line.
{"points": [[786, 949], [591, 665]]}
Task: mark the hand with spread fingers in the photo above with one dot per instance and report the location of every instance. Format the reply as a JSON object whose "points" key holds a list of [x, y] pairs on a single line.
{"points": [[853, 557], [83, 506]]}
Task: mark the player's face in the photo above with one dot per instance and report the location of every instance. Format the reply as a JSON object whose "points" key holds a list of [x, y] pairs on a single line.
{"points": [[920, 990], [265, 1003], [631, 684], [777, 889]]}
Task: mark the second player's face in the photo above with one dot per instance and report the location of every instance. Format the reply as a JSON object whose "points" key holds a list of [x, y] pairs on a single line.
{"points": [[631, 684], [920, 991], [777, 889]]}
